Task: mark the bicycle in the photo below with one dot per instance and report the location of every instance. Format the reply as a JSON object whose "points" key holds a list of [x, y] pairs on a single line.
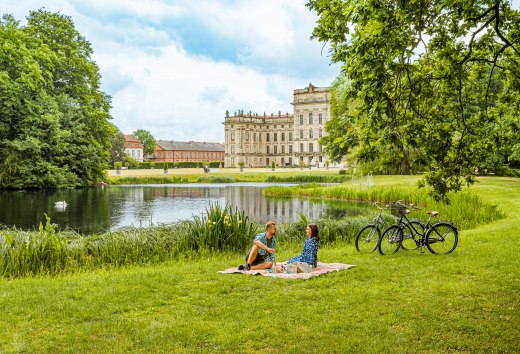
{"points": [[440, 237], [367, 239], [372, 232]]}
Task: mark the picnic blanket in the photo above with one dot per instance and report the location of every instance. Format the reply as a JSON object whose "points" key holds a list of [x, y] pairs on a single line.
{"points": [[322, 268]]}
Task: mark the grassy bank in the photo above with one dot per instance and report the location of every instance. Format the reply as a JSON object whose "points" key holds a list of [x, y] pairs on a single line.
{"points": [[407, 302], [466, 208], [320, 176]]}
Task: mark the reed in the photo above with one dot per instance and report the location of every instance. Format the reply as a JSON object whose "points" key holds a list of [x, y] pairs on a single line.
{"points": [[217, 179], [48, 251], [310, 178], [466, 210], [331, 230], [151, 180]]}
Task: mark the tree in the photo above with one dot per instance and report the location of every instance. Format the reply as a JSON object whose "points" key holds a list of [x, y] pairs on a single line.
{"points": [[146, 139], [427, 76], [54, 129], [117, 150]]}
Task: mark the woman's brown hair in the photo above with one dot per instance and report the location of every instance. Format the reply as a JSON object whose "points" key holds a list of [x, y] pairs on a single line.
{"points": [[314, 231]]}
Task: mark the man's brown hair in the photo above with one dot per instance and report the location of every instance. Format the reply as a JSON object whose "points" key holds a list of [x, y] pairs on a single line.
{"points": [[269, 224]]}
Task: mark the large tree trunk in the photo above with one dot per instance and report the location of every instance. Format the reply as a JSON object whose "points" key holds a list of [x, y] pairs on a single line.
{"points": [[405, 164]]}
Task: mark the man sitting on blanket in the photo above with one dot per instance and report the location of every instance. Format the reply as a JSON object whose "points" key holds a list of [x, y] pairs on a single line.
{"points": [[261, 255]]}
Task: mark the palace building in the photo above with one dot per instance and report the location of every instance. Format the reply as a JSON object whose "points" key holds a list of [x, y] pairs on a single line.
{"points": [[287, 139]]}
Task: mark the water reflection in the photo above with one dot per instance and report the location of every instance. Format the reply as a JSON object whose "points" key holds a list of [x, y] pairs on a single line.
{"points": [[102, 208]]}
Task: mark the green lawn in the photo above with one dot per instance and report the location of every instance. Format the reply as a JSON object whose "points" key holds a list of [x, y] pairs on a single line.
{"points": [[467, 301]]}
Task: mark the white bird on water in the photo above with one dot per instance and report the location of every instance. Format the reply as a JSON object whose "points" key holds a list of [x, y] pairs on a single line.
{"points": [[60, 204]]}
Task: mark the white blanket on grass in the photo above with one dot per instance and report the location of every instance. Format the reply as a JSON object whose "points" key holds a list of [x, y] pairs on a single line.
{"points": [[322, 268]]}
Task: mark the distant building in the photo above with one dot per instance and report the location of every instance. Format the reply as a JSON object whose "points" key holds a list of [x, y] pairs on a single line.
{"points": [[179, 151], [287, 139], [133, 147]]}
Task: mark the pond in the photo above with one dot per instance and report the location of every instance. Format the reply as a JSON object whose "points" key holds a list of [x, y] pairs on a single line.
{"points": [[95, 210]]}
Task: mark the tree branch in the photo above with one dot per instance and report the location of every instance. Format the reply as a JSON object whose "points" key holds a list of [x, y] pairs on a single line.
{"points": [[478, 18], [462, 108], [497, 27], [491, 75], [470, 46]]}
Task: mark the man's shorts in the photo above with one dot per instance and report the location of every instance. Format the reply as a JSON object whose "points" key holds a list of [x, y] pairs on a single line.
{"points": [[258, 260]]}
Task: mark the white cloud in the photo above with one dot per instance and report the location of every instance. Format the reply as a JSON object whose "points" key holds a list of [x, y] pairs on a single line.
{"points": [[158, 85], [181, 97]]}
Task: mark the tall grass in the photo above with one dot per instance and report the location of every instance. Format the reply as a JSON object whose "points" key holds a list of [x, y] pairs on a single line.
{"points": [[331, 230], [466, 209], [149, 180], [310, 178], [216, 179], [319, 177], [48, 251]]}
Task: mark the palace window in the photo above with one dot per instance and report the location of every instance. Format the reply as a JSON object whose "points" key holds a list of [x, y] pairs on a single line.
{"points": [[267, 151], [267, 137], [311, 135], [320, 118], [283, 149], [320, 132], [311, 147], [301, 133], [301, 147], [290, 136], [232, 136], [275, 137], [275, 149], [310, 117], [290, 149], [283, 136], [301, 118]]}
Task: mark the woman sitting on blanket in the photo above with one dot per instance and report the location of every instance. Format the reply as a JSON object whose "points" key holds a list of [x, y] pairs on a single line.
{"points": [[309, 253]]}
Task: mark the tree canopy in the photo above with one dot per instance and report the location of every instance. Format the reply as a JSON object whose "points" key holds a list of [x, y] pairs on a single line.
{"points": [[427, 82], [54, 128], [146, 139], [117, 149]]}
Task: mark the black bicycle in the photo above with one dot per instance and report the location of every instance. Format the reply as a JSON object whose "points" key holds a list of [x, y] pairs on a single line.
{"points": [[439, 237], [368, 238]]}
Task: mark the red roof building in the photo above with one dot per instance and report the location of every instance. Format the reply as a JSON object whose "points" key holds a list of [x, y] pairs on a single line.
{"points": [[134, 147]]}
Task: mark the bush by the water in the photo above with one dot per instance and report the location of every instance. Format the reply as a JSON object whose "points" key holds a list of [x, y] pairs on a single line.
{"points": [[310, 178], [216, 179], [48, 251]]}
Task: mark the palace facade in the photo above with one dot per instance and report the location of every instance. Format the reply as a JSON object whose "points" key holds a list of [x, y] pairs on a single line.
{"points": [[287, 139]]}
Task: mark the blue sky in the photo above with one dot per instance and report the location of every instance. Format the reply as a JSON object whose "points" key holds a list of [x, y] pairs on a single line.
{"points": [[174, 67]]}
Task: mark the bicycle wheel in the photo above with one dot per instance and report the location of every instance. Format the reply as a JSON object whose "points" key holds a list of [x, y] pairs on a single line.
{"points": [[367, 239], [442, 238], [391, 240], [412, 233]]}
